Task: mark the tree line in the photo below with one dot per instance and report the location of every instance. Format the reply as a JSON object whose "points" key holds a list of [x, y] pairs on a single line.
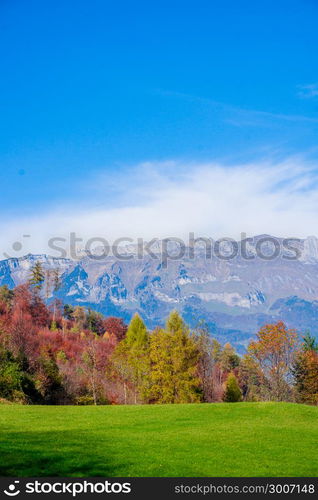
{"points": [[60, 354]]}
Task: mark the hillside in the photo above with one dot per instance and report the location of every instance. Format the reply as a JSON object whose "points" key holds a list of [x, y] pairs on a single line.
{"points": [[235, 297]]}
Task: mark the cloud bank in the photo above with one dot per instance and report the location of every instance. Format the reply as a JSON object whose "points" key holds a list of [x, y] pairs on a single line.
{"points": [[172, 199]]}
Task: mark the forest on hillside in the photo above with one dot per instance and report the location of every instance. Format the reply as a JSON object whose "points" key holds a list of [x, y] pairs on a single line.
{"points": [[58, 354]]}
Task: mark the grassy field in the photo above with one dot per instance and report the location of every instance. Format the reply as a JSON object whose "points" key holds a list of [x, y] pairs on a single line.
{"points": [[242, 439]]}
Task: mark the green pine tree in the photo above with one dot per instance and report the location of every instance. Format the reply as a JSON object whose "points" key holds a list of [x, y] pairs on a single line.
{"points": [[37, 276], [309, 343]]}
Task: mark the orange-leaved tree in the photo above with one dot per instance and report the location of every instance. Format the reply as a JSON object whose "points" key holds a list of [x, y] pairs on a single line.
{"points": [[274, 350], [305, 371]]}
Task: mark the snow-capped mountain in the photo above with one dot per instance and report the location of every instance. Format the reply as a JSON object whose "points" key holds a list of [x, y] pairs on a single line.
{"points": [[234, 296]]}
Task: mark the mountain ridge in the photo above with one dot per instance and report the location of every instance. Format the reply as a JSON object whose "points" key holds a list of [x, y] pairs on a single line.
{"points": [[235, 297]]}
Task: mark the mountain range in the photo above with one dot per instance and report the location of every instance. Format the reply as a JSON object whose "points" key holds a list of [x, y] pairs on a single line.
{"points": [[234, 296]]}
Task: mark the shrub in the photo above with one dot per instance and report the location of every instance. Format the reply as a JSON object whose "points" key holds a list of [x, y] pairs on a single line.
{"points": [[232, 392]]}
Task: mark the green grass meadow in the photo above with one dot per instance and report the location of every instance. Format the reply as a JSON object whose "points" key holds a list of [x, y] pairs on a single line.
{"points": [[240, 439]]}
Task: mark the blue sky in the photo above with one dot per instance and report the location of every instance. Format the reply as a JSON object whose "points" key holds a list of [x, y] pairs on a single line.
{"points": [[91, 90]]}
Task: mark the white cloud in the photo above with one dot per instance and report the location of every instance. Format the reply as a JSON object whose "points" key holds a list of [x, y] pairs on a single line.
{"points": [[308, 91], [172, 199], [240, 117]]}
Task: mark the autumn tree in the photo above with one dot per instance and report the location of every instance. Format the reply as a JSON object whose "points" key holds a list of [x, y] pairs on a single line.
{"points": [[305, 371], [209, 368], [95, 359], [95, 322], [251, 379], [21, 327], [54, 279], [218, 374], [228, 358], [6, 295], [40, 313], [11, 377], [116, 327], [89, 359], [137, 342], [274, 351], [133, 354], [48, 283], [174, 357], [205, 362], [79, 317], [48, 380]]}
